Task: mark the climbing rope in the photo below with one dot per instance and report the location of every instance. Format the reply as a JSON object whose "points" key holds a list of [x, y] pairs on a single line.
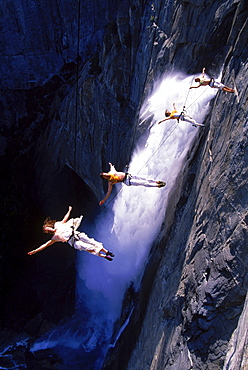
{"points": [[172, 129], [197, 97], [174, 126], [188, 94], [184, 106], [169, 133]]}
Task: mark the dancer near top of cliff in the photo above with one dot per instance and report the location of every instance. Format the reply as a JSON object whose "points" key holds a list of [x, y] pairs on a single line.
{"points": [[114, 177], [211, 82], [65, 231], [179, 116]]}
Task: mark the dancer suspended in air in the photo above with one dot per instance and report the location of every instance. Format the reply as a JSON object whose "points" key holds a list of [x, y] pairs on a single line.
{"points": [[114, 177], [65, 231], [179, 116], [211, 82]]}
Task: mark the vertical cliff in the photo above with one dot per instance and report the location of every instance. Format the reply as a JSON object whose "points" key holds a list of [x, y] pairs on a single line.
{"points": [[200, 283], [72, 81]]}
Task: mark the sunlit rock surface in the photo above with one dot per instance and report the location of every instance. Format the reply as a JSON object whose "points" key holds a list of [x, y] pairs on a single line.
{"points": [[73, 76]]}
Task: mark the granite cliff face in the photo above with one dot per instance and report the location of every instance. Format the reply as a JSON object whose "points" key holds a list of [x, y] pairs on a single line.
{"points": [[72, 81]]}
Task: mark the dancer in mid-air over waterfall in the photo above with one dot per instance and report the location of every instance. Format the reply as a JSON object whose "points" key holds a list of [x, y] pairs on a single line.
{"points": [[114, 177], [65, 231], [210, 82], [179, 116]]}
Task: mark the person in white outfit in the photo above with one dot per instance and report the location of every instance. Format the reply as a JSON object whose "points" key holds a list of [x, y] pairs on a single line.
{"points": [[115, 177], [65, 231], [202, 81], [179, 116]]}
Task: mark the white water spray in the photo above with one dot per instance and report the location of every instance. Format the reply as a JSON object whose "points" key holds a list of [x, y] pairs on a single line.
{"points": [[131, 222], [138, 212]]}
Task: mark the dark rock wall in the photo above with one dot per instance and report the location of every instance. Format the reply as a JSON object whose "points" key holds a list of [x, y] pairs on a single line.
{"points": [[68, 98], [73, 75], [66, 76], [201, 283]]}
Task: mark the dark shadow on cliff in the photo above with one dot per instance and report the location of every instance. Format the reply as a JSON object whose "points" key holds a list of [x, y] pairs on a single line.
{"points": [[38, 291]]}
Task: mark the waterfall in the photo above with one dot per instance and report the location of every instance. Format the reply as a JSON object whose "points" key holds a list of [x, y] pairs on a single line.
{"points": [[132, 219]]}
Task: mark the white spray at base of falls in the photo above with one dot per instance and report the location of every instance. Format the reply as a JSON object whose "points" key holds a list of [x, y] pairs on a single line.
{"points": [[132, 220], [136, 214]]}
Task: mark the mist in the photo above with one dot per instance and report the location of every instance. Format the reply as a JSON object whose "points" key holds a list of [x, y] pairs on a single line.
{"points": [[131, 219]]}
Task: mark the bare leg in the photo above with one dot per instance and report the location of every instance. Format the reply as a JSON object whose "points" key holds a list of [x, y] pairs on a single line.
{"points": [[228, 89], [139, 181]]}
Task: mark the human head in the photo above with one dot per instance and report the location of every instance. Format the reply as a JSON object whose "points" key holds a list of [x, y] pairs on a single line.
{"points": [[105, 175], [197, 79], [48, 226], [167, 113]]}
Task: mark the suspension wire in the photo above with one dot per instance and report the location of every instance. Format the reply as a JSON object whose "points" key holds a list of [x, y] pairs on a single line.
{"points": [[133, 137], [162, 142], [188, 94], [198, 97], [77, 83], [170, 132]]}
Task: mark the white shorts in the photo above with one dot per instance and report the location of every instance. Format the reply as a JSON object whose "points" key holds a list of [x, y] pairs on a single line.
{"points": [[139, 181], [216, 84], [82, 242]]}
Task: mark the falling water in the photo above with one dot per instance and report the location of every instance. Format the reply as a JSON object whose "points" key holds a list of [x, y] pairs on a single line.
{"points": [[130, 222]]}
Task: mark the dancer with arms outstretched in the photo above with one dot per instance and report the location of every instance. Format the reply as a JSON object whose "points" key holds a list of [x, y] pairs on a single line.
{"points": [[179, 116], [202, 81], [115, 177], [65, 231]]}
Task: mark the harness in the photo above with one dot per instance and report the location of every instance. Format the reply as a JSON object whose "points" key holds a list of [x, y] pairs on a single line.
{"points": [[211, 83], [128, 176], [182, 114], [73, 235]]}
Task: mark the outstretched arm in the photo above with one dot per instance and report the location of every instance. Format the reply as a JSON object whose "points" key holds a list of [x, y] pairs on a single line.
{"points": [[43, 246], [195, 87], [112, 168], [174, 106], [110, 187], [203, 72], [65, 219], [166, 119]]}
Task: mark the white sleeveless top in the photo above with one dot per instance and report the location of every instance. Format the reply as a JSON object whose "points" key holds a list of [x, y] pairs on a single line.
{"points": [[63, 231]]}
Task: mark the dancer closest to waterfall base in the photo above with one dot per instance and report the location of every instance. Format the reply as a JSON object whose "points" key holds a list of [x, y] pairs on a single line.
{"points": [[114, 177], [65, 231], [179, 116], [211, 82]]}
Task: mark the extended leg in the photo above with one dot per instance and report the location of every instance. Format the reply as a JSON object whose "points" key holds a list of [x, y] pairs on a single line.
{"points": [[139, 181], [228, 89], [191, 120]]}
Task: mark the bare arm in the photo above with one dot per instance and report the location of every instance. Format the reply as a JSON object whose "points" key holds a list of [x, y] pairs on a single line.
{"points": [[43, 246], [174, 106], [203, 72], [112, 168], [110, 187], [195, 87], [166, 119], [65, 219]]}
